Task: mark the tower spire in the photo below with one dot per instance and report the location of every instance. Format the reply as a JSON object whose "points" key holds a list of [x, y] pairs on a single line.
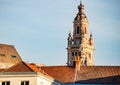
{"points": [[80, 1], [79, 44], [81, 8]]}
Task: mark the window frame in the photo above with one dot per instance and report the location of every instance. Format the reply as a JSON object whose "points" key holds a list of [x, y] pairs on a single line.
{"points": [[5, 83], [25, 82]]}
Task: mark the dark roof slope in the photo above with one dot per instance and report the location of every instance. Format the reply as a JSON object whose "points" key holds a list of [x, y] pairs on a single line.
{"points": [[63, 74], [98, 74], [86, 74], [8, 54]]}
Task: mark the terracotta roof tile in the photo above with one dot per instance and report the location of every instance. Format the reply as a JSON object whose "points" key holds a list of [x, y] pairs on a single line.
{"points": [[91, 74], [99, 74], [61, 73], [26, 67], [33, 67], [20, 67], [23, 67]]}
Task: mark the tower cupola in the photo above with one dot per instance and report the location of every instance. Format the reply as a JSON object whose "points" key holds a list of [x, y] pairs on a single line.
{"points": [[80, 44]]}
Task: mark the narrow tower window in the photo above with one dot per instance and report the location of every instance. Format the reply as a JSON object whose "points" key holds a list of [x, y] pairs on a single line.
{"points": [[76, 53], [85, 62], [78, 29], [72, 53]]}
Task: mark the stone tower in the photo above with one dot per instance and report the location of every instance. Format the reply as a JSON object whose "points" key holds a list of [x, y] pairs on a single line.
{"points": [[79, 44]]}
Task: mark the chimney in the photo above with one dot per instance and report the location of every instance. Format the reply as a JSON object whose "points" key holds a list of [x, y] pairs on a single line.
{"points": [[77, 63]]}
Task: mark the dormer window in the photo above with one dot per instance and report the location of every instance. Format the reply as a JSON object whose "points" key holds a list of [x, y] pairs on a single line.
{"points": [[2, 55], [13, 56]]}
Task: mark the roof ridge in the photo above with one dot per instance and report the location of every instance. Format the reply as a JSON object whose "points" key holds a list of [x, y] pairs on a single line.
{"points": [[28, 66], [6, 44], [101, 66], [56, 66], [38, 69], [22, 62]]}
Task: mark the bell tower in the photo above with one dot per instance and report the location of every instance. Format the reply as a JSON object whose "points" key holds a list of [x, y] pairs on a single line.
{"points": [[79, 44]]}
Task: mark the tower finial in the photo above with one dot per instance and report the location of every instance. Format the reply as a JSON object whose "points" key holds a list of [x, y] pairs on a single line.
{"points": [[81, 6], [80, 1]]}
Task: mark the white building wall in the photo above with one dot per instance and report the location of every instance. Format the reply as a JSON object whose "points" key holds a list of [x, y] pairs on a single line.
{"points": [[34, 79], [41, 80], [16, 79]]}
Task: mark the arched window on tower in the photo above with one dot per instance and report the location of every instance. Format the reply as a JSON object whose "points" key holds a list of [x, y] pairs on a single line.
{"points": [[72, 53], [78, 29], [85, 62], [76, 53]]}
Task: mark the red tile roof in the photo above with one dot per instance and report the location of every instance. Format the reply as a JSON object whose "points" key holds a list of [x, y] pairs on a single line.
{"points": [[66, 74], [88, 72], [61, 73], [20, 67], [25, 67]]}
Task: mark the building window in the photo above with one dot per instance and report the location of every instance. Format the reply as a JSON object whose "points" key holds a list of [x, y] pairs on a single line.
{"points": [[2, 55], [76, 53], [13, 56], [72, 53], [6, 83], [85, 62], [24, 83], [78, 29]]}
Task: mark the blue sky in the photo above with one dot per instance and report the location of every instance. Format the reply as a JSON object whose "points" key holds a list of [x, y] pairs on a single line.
{"points": [[39, 28]]}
